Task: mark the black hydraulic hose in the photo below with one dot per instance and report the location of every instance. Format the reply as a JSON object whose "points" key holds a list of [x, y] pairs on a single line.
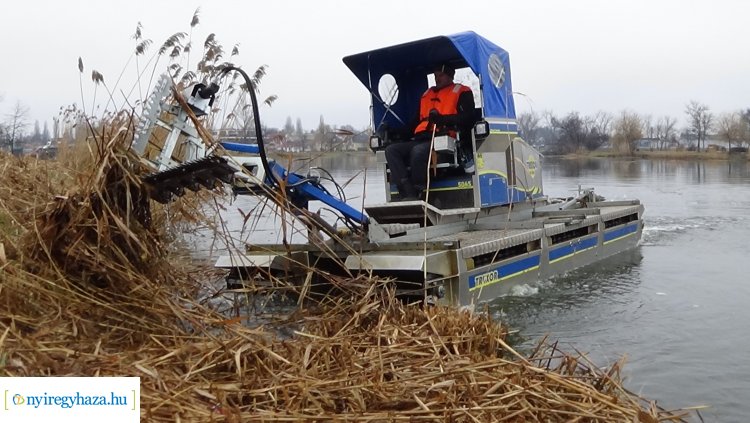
{"points": [[256, 119]]}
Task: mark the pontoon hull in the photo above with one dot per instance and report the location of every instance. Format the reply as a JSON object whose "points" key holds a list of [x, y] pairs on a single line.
{"points": [[466, 262]]}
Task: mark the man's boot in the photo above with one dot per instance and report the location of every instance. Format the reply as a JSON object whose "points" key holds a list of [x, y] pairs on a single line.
{"points": [[407, 191]]}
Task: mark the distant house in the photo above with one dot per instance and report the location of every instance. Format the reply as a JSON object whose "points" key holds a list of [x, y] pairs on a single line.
{"points": [[235, 135], [651, 144], [647, 144]]}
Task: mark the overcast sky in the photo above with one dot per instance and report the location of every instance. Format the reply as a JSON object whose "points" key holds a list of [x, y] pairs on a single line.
{"points": [[649, 56]]}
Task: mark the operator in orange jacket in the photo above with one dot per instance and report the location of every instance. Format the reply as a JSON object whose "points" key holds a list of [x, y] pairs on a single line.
{"points": [[446, 107]]}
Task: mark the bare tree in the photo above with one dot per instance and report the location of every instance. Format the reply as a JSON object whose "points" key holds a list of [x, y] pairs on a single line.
{"points": [[36, 136], [298, 129], [628, 129], [729, 127], [56, 128], [647, 128], [323, 139], [45, 133], [602, 122], [528, 123], [701, 120], [548, 134], [665, 130], [577, 133], [548, 116], [572, 132], [15, 124], [745, 115], [597, 129], [288, 126], [707, 121]]}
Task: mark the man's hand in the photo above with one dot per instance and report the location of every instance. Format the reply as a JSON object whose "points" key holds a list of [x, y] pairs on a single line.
{"points": [[436, 118]]}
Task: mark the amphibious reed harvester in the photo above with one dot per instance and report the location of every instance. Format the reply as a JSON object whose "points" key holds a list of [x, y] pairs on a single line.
{"points": [[477, 231]]}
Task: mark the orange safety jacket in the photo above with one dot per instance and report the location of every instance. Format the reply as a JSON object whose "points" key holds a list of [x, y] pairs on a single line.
{"points": [[445, 101]]}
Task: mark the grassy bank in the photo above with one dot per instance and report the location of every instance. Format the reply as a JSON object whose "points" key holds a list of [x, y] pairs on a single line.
{"points": [[642, 154], [663, 155]]}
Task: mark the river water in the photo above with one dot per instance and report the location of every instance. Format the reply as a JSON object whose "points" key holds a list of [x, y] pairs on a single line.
{"points": [[678, 306]]}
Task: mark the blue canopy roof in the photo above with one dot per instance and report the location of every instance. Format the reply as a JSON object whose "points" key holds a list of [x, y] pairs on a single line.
{"points": [[411, 62]]}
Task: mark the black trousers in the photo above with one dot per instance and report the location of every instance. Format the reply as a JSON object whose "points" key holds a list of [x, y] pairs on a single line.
{"points": [[414, 154]]}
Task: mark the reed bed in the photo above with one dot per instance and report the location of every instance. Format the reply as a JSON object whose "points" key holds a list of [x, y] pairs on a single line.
{"points": [[89, 288]]}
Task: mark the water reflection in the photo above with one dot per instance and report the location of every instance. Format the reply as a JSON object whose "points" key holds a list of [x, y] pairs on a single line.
{"points": [[737, 166], [698, 174], [661, 168], [577, 168], [574, 168], [733, 170]]}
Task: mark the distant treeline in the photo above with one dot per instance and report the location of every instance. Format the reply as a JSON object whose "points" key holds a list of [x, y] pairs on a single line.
{"points": [[624, 132]]}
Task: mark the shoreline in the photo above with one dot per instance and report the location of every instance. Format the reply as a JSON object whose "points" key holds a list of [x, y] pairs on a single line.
{"points": [[669, 155], [656, 154]]}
